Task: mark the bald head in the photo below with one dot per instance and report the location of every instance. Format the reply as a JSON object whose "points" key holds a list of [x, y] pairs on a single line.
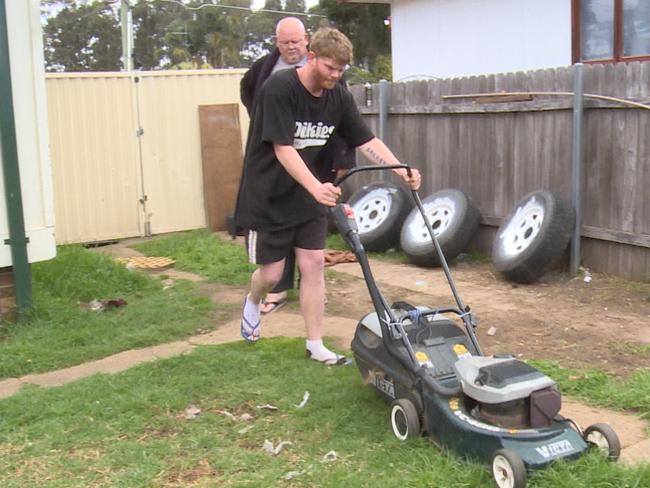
{"points": [[290, 25], [291, 39]]}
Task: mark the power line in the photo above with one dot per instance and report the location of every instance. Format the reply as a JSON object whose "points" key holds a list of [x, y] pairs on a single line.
{"points": [[304, 14]]}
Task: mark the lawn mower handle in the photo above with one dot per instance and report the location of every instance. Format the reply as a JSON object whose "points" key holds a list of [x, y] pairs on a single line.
{"points": [[465, 314], [371, 167]]}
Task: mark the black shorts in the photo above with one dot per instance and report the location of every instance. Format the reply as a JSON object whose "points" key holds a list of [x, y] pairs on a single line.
{"points": [[266, 247]]}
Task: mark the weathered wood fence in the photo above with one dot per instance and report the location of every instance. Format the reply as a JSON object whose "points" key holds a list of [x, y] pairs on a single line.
{"points": [[498, 152]]}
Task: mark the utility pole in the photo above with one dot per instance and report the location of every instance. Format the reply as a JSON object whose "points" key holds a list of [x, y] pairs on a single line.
{"points": [[126, 24]]}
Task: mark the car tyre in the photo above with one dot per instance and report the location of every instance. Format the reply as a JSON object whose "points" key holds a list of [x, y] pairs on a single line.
{"points": [[533, 237], [379, 209], [454, 219]]}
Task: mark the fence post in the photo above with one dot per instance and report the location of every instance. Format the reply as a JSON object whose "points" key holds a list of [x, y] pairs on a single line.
{"points": [[383, 117], [576, 164], [11, 173]]}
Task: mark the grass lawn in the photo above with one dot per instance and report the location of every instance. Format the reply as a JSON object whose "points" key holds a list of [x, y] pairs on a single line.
{"points": [[204, 253], [130, 430], [60, 333]]}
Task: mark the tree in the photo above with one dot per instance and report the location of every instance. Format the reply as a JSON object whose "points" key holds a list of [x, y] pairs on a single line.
{"points": [[152, 21], [295, 6], [365, 25], [81, 37]]}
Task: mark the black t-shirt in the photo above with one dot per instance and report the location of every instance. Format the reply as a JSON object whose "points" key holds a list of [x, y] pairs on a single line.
{"points": [[287, 114]]}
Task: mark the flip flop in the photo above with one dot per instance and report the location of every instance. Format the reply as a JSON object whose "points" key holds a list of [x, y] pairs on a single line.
{"points": [[338, 360], [275, 305], [250, 332]]}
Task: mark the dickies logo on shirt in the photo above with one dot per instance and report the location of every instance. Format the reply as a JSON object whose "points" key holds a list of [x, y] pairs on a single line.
{"points": [[308, 134]]}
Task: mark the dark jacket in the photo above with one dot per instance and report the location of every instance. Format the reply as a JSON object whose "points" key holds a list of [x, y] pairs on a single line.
{"points": [[255, 77]]}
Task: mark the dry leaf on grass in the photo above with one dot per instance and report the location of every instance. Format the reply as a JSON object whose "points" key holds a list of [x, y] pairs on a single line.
{"points": [[192, 412], [305, 397], [274, 451], [292, 474], [330, 457], [266, 406]]}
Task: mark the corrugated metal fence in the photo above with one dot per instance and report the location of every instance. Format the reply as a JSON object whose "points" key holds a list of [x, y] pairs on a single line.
{"points": [[498, 152], [110, 178]]}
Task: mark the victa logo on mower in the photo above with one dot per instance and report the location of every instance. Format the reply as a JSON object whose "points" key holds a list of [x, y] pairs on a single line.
{"points": [[555, 449], [384, 385]]}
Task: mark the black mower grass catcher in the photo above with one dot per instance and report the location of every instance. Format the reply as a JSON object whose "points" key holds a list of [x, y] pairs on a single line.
{"points": [[495, 409]]}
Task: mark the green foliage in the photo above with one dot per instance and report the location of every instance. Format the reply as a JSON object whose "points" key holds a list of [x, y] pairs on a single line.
{"points": [[131, 430], [82, 37], [203, 253], [365, 25], [85, 35], [61, 333]]}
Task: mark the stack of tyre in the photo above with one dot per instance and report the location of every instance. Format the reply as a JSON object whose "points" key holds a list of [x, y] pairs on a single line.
{"points": [[530, 240]]}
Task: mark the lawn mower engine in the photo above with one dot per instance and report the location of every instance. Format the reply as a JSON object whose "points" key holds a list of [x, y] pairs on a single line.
{"points": [[503, 391]]}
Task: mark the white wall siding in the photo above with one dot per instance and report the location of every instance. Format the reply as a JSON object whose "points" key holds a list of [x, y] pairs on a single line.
{"points": [[30, 117], [451, 38]]}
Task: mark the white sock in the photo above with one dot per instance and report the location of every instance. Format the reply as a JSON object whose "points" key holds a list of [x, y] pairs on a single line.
{"points": [[251, 312], [318, 351]]}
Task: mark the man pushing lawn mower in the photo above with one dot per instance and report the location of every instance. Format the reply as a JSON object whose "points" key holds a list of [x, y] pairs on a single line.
{"points": [[281, 199]]}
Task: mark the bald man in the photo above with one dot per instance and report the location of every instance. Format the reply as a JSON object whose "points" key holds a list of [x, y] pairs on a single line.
{"points": [[291, 52]]}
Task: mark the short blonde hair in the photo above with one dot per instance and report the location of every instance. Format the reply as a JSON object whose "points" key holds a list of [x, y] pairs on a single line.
{"points": [[331, 43]]}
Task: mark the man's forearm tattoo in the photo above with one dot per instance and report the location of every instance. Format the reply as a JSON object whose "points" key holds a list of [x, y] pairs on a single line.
{"points": [[376, 157]]}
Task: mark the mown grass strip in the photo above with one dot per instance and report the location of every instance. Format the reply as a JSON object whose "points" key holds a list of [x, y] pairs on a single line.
{"points": [[130, 430]]}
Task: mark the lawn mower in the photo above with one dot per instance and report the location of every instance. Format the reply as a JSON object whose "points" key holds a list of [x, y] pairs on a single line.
{"points": [[495, 409]]}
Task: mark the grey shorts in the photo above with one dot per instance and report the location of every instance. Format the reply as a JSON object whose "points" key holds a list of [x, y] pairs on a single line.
{"points": [[266, 247]]}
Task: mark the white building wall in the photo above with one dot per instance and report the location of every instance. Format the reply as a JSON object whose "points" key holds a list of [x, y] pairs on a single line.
{"points": [[451, 38], [28, 91]]}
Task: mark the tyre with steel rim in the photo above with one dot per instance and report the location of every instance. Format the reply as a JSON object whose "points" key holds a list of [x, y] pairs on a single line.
{"points": [[454, 219], [379, 209], [533, 237], [605, 439], [404, 419], [508, 469]]}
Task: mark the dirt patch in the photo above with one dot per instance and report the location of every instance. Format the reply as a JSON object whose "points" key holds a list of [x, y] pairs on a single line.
{"points": [[602, 324]]}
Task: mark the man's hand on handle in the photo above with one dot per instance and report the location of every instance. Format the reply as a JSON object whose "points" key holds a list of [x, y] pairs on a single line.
{"points": [[327, 194], [412, 181]]}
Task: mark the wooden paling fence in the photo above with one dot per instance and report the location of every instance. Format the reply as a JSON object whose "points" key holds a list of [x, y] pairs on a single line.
{"points": [[497, 151]]}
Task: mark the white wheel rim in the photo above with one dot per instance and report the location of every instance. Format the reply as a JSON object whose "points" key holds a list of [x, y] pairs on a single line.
{"points": [[503, 473], [398, 410], [371, 211], [440, 213], [523, 227], [599, 440]]}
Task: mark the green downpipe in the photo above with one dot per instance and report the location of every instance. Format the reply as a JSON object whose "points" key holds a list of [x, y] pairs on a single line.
{"points": [[17, 238]]}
